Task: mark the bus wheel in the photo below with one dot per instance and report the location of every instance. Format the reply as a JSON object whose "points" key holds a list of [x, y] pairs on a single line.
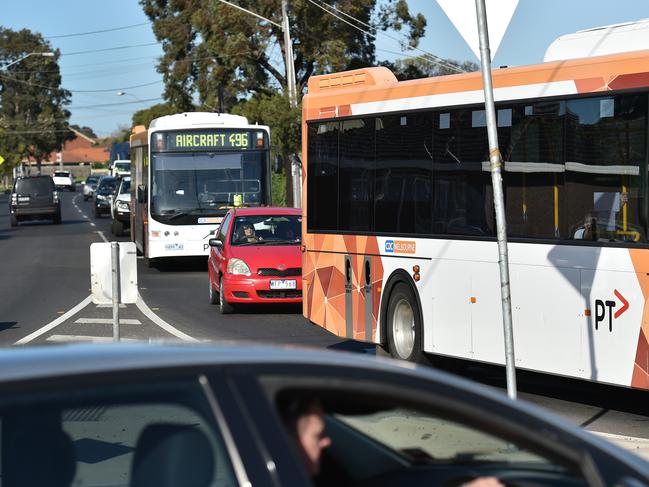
{"points": [[224, 307], [404, 325], [14, 221], [150, 263], [214, 297]]}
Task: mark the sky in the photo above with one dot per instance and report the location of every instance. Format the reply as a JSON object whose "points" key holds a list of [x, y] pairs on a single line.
{"points": [[125, 60]]}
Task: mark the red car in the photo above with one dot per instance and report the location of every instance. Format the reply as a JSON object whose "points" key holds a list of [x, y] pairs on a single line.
{"points": [[255, 258]]}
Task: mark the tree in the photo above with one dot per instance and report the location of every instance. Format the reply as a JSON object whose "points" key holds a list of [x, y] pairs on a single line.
{"points": [[424, 67], [210, 45], [144, 117], [87, 131], [275, 110], [32, 112]]}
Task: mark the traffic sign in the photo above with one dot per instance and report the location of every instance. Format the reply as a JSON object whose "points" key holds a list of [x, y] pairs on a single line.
{"points": [[2, 159], [462, 14]]}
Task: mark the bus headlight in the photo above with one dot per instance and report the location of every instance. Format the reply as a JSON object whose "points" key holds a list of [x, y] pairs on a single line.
{"points": [[238, 267]]}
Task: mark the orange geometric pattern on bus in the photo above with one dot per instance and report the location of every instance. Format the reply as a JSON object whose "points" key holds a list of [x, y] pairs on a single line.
{"points": [[640, 378], [324, 278]]}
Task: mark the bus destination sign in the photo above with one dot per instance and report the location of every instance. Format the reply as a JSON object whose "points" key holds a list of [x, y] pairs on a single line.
{"points": [[193, 140]]}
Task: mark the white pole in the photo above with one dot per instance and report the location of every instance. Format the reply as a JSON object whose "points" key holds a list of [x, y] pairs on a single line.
{"points": [[114, 250], [496, 179], [288, 56]]}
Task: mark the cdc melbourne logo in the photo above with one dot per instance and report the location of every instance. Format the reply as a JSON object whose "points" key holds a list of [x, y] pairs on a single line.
{"points": [[389, 246]]}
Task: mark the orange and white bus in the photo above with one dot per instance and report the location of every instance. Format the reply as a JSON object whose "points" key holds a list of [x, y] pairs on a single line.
{"points": [[399, 233]]}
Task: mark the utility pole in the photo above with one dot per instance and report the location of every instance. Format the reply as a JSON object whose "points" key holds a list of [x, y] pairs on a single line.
{"points": [[495, 159], [288, 54]]}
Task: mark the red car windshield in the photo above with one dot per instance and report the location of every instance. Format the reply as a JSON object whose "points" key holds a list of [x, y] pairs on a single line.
{"points": [[267, 230]]}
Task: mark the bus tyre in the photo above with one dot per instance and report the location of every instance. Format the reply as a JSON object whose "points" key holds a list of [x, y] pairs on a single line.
{"points": [[149, 263], [404, 325], [14, 221], [214, 296], [224, 307], [57, 217]]}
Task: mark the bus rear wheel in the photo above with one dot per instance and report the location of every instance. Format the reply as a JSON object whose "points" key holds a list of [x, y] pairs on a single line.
{"points": [[404, 325]]}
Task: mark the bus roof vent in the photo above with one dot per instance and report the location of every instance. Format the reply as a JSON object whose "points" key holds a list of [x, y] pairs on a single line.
{"points": [[600, 41], [352, 79]]}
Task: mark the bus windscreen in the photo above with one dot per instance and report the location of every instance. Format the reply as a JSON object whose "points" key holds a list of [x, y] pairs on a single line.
{"points": [[186, 186]]}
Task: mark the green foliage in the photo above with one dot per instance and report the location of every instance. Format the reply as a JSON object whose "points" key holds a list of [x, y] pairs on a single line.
{"points": [[424, 67], [275, 111], [211, 44], [100, 165], [32, 109], [279, 189], [87, 131], [144, 117]]}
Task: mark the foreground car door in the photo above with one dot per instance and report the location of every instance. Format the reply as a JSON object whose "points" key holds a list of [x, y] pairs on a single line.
{"points": [[390, 428]]}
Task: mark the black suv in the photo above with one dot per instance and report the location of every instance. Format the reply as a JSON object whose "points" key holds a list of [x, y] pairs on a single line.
{"points": [[102, 198], [34, 198]]}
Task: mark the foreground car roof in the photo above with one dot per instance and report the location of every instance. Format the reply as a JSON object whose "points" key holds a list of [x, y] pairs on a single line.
{"points": [[42, 362]]}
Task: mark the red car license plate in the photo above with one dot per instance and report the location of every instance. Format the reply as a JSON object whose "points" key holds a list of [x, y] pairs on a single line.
{"points": [[283, 284]]}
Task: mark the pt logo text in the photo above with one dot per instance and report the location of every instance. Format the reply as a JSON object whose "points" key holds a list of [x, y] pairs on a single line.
{"points": [[604, 310]]}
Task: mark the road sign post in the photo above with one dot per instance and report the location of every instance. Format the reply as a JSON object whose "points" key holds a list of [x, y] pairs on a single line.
{"points": [[495, 160], [114, 260]]}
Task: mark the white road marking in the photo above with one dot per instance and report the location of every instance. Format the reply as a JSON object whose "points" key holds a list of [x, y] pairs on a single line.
{"points": [[101, 234], [108, 321], [55, 323], [84, 338], [142, 306], [92, 224], [109, 306]]}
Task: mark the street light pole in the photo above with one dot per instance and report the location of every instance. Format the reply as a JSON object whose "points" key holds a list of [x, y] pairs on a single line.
{"points": [[44, 54], [290, 64], [123, 93], [288, 47]]}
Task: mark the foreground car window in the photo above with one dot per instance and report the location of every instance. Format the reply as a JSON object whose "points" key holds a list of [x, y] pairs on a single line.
{"points": [[425, 438], [113, 439]]}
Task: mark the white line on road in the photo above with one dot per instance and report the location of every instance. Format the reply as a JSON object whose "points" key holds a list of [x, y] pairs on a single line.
{"points": [[92, 224], [108, 321], [142, 306], [101, 234], [84, 338], [55, 323]]}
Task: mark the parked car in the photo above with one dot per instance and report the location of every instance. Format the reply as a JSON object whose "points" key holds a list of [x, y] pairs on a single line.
{"points": [[120, 208], [255, 258], [89, 187], [120, 168], [64, 180], [106, 187], [34, 198], [203, 415]]}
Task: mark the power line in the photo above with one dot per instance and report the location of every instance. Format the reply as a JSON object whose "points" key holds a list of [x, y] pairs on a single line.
{"points": [[61, 36], [38, 85], [431, 57], [109, 49], [113, 104]]}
